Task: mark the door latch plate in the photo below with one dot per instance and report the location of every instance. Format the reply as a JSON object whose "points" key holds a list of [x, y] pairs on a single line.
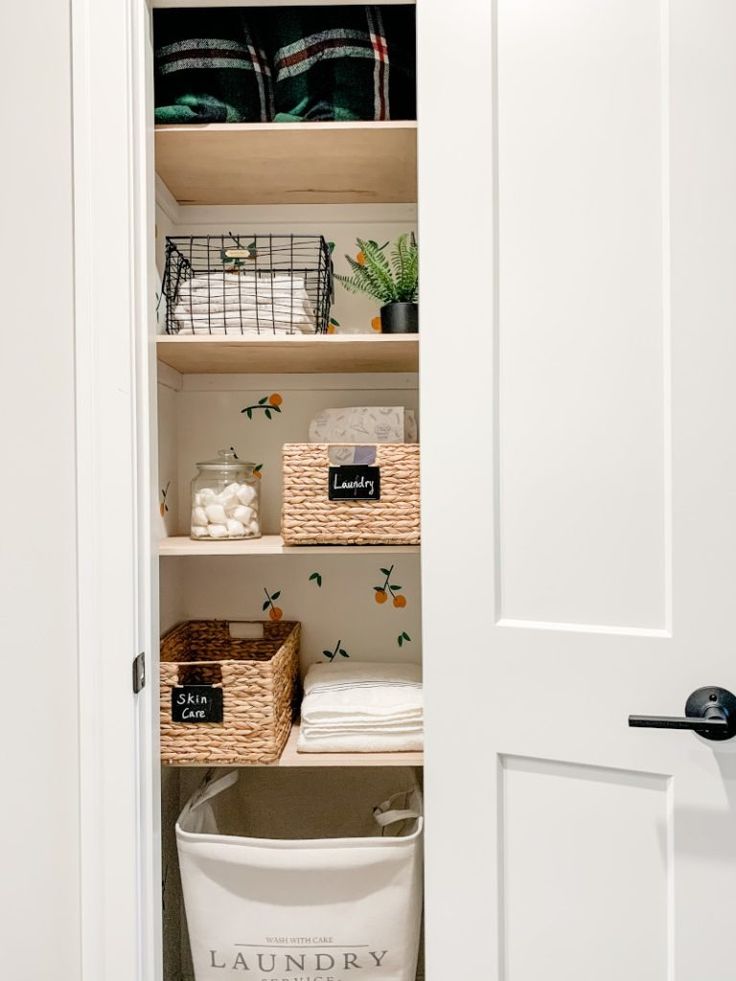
{"points": [[139, 673]]}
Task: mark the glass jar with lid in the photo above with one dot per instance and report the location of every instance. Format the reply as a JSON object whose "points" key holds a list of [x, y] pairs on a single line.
{"points": [[226, 499]]}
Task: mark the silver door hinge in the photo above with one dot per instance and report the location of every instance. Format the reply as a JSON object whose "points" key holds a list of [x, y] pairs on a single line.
{"points": [[139, 673]]}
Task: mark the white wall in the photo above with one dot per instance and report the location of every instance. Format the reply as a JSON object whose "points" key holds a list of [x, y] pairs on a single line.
{"points": [[39, 821]]}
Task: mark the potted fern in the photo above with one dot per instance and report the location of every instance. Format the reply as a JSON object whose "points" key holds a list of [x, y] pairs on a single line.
{"points": [[391, 279]]}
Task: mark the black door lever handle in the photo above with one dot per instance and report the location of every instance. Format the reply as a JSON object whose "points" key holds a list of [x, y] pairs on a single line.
{"points": [[711, 712], [703, 726]]}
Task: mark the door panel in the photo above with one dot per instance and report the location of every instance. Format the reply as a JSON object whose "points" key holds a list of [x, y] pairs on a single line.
{"points": [[582, 323], [590, 346], [583, 870]]}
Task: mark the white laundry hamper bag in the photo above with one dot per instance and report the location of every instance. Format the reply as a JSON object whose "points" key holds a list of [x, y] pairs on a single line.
{"points": [[304, 874]]}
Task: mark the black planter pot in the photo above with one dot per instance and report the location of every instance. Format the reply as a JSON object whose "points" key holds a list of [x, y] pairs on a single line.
{"points": [[400, 318]]}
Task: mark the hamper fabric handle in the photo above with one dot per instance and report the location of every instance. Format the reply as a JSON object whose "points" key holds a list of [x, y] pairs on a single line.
{"points": [[384, 816], [211, 788]]}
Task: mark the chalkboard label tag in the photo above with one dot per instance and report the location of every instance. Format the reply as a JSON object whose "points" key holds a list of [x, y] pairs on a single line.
{"points": [[196, 703], [353, 483]]}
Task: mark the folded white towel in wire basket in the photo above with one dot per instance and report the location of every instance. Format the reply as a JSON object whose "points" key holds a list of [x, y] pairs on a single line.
{"points": [[244, 301]]}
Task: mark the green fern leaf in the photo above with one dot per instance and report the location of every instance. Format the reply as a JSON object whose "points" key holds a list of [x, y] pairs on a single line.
{"points": [[378, 266]]}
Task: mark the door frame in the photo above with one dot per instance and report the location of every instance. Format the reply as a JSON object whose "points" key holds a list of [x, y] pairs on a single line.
{"points": [[114, 214], [117, 571], [457, 208]]}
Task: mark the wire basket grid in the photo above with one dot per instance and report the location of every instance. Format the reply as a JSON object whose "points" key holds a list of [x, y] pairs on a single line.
{"points": [[254, 284]]}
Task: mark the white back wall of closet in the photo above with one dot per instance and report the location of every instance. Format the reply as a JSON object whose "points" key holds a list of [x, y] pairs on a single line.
{"points": [[202, 414], [39, 822]]}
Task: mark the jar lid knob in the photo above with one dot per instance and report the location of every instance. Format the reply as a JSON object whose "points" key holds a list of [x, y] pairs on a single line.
{"points": [[227, 461]]}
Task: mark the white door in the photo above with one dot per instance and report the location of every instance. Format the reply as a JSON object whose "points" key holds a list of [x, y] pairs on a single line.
{"points": [[578, 229]]}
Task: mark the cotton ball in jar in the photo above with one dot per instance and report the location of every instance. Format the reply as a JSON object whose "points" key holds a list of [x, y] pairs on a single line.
{"points": [[246, 494], [217, 531], [216, 514], [235, 529], [199, 517], [204, 497], [228, 501], [199, 532], [243, 514]]}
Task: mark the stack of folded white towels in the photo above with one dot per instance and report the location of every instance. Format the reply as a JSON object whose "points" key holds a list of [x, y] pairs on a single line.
{"points": [[362, 707], [235, 302]]}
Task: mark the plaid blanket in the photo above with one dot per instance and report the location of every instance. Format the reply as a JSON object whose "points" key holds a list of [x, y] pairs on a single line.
{"points": [[343, 63], [210, 68]]}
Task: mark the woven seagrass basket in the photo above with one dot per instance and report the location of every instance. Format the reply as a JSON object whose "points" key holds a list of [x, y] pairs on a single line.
{"points": [[309, 517], [259, 681]]}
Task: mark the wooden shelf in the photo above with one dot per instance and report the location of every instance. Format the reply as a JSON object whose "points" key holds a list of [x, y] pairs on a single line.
{"points": [[309, 354], [272, 545], [291, 758], [289, 163]]}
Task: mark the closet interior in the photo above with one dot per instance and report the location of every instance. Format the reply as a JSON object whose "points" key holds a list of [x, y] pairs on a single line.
{"points": [[259, 342]]}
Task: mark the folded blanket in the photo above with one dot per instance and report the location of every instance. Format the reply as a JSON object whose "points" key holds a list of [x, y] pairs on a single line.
{"points": [[362, 707], [343, 62], [210, 68]]}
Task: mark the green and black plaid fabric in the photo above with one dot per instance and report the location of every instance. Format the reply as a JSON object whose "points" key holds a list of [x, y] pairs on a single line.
{"points": [[342, 63], [210, 68]]}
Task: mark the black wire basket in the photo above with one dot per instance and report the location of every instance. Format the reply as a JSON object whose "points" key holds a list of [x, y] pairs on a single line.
{"points": [[247, 284]]}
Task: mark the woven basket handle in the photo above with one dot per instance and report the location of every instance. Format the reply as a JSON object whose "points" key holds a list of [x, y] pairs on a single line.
{"points": [[246, 629], [363, 454], [183, 666]]}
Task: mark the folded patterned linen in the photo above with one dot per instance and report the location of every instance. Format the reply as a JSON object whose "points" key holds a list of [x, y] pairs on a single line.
{"points": [[364, 424], [343, 62], [210, 68]]}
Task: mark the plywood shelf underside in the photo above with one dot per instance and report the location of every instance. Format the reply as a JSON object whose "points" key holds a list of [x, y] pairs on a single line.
{"points": [[309, 354], [289, 163]]}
